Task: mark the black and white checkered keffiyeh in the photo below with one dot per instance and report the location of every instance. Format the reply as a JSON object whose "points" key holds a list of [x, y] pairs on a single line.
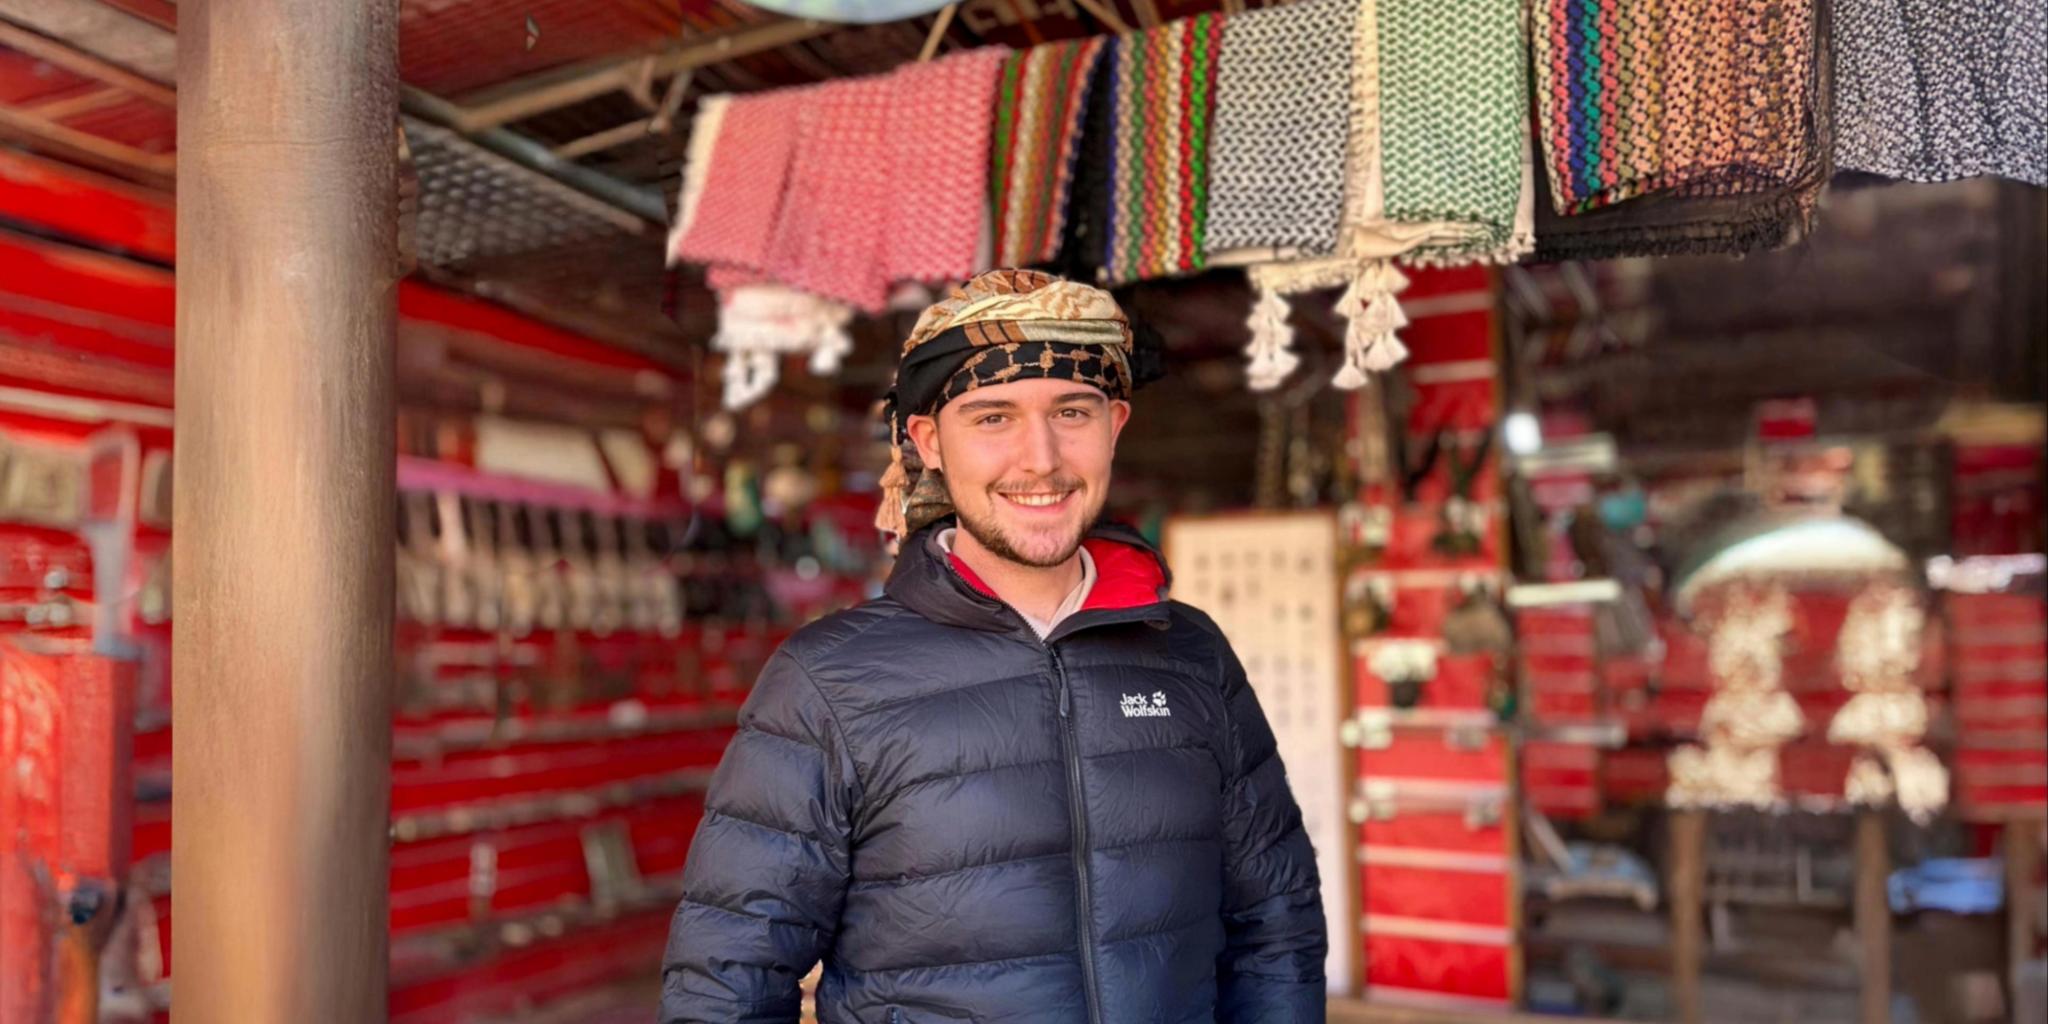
{"points": [[1932, 90], [1283, 109]]}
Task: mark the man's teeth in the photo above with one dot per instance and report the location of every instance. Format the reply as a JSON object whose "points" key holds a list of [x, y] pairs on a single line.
{"points": [[1037, 500]]}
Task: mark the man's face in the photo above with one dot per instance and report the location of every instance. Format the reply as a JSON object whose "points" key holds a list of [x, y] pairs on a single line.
{"points": [[1027, 463]]}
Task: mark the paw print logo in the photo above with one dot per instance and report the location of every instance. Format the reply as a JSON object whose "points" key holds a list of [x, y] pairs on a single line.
{"points": [[1159, 698]]}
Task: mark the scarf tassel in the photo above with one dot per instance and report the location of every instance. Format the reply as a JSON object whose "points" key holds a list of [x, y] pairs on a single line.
{"points": [[748, 376], [1373, 320], [1272, 348], [895, 485]]}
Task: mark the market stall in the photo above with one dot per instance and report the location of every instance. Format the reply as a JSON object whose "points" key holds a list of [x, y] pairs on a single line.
{"points": [[1463, 396]]}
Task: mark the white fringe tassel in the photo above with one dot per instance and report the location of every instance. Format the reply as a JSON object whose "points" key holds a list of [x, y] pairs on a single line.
{"points": [[1373, 320], [1272, 348]]}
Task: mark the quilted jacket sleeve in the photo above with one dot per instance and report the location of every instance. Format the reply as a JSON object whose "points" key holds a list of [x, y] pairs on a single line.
{"points": [[767, 873], [1271, 969]]}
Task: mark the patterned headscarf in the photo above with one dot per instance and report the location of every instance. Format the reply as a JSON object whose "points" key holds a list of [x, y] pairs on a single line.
{"points": [[1001, 326]]}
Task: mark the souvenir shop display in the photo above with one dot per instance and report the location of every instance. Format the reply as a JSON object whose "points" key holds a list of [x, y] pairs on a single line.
{"points": [[1434, 763], [1270, 582], [1245, 138]]}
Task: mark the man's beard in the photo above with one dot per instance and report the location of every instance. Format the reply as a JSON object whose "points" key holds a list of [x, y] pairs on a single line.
{"points": [[990, 535]]}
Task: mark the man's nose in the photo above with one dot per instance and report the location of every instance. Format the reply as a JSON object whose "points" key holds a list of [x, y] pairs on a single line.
{"points": [[1041, 455]]}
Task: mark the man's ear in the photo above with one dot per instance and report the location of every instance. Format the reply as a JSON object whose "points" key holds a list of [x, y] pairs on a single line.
{"points": [[924, 432], [1119, 414]]}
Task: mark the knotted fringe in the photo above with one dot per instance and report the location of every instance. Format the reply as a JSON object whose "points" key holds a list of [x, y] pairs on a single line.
{"points": [[1372, 315], [748, 377], [1272, 348], [895, 486], [1372, 318], [758, 324]]}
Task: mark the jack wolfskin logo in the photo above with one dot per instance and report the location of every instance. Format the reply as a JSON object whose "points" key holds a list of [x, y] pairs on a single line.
{"points": [[1137, 705]]}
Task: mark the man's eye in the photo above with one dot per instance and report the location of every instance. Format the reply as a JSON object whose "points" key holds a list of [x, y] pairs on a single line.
{"points": [[991, 420], [1074, 414]]}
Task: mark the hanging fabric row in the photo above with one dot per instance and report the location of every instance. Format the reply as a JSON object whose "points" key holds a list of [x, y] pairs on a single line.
{"points": [[1324, 144]]}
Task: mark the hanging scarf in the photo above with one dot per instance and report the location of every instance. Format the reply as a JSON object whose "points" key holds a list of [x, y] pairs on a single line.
{"points": [[1084, 243], [697, 157], [1040, 110], [1481, 108], [1163, 90], [940, 118], [829, 239], [740, 201], [889, 180], [1676, 125], [1283, 106], [1453, 108], [1932, 90]]}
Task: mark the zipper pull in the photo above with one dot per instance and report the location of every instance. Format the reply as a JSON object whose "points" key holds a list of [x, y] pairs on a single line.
{"points": [[1066, 702]]}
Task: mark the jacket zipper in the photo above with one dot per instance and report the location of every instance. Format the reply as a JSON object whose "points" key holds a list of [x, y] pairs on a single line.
{"points": [[1077, 813]]}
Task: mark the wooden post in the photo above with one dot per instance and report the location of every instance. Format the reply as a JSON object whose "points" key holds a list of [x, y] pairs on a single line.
{"points": [[1873, 917], [286, 308], [2022, 855], [1684, 891]]}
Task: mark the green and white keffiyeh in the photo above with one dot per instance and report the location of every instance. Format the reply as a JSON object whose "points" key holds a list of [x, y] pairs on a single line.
{"points": [[1438, 172]]}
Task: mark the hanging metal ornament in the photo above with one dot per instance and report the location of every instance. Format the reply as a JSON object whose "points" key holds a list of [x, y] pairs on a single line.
{"points": [[856, 12]]}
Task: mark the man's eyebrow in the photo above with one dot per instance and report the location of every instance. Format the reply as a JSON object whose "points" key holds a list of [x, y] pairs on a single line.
{"points": [[1091, 397], [987, 405]]}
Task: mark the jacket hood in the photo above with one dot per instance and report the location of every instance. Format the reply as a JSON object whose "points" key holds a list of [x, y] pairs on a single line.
{"points": [[1131, 578]]}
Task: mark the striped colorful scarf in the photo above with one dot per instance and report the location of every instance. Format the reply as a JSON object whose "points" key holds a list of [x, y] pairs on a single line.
{"points": [[1680, 99], [1162, 89], [1040, 108]]}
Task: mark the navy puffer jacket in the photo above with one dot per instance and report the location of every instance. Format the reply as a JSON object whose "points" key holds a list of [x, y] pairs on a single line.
{"points": [[970, 824]]}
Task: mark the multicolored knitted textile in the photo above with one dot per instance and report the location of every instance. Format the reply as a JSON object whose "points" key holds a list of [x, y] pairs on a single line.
{"points": [[1283, 111], [1931, 90], [1665, 224], [740, 201], [1453, 106], [941, 114], [1040, 106], [1083, 245], [1162, 88], [1684, 97]]}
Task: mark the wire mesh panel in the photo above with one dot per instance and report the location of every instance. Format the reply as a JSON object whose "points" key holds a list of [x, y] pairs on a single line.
{"points": [[475, 204]]}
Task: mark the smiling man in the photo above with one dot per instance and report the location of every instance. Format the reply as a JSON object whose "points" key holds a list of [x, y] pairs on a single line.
{"points": [[1024, 785]]}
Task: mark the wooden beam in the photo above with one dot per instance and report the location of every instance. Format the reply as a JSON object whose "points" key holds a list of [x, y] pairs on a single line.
{"points": [[1104, 15], [1683, 892], [1873, 917], [77, 61], [938, 33], [2022, 856], [664, 120], [161, 13], [597, 142], [156, 170], [552, 90], [79, 103]]}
